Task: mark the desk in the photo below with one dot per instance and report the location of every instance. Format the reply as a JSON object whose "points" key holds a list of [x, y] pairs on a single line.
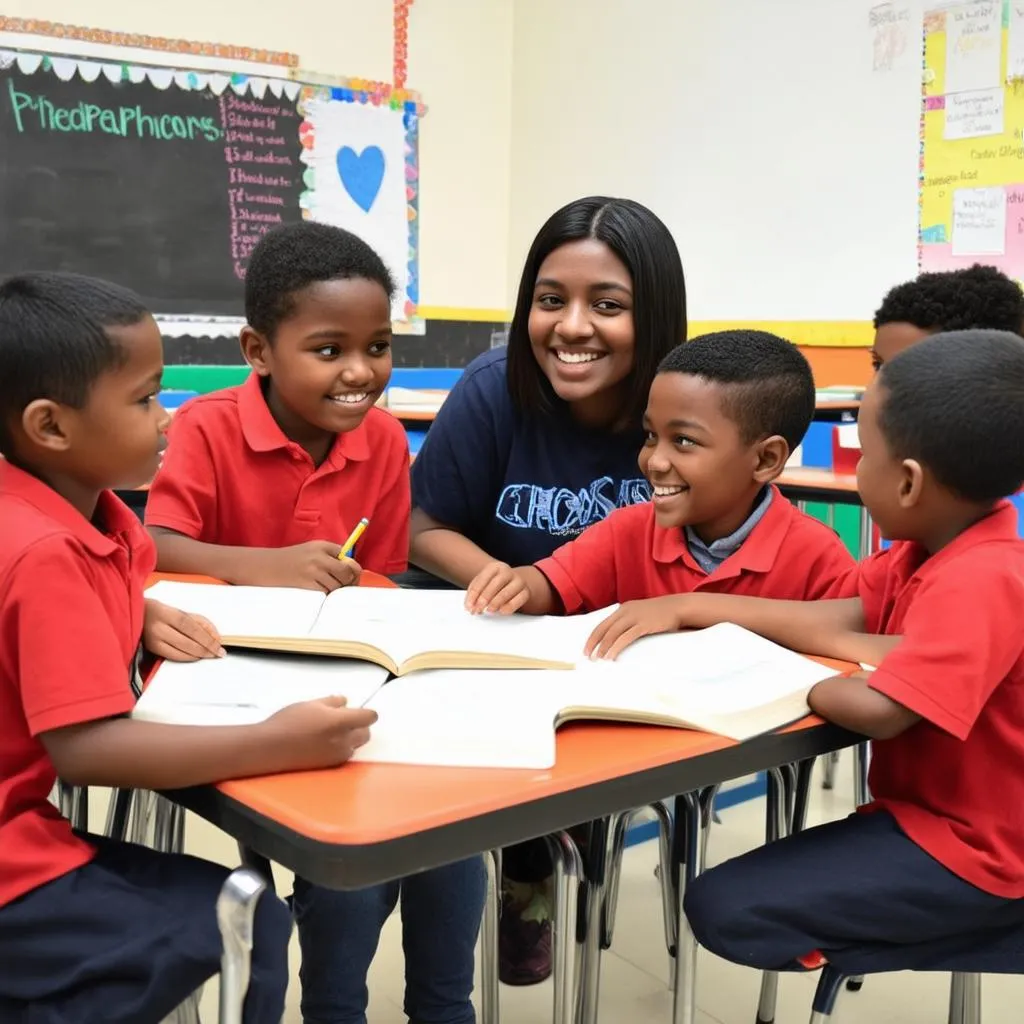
{"points": [[367, 823], [832, 410], [363, 824]]}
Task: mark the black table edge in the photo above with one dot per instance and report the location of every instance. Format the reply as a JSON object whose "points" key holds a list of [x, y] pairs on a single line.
{"points": [[339, 866]]}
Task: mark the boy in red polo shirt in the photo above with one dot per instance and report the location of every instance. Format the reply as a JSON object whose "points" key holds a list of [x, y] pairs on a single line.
{"points": [[92, 929], [724, 413], [931, 875], [262, 484]]}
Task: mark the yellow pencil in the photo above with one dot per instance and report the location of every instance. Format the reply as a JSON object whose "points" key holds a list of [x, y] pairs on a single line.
{"points": [[346, 550]]}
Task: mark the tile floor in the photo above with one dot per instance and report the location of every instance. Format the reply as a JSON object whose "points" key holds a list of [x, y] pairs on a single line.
{"points": [[635, 972]]}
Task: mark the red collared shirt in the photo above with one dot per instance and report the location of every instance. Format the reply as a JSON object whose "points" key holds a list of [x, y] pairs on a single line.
{"points": [[71, 611], [231, 477], [628, 557], [955, 781]]}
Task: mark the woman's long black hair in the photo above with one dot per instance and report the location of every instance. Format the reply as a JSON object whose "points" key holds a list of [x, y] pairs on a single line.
{"points": [[646, 247]]}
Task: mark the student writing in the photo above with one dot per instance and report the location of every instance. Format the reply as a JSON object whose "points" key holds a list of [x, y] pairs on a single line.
{"points": [[930, 874], [263, 483], [254, 479], [538, 441], [93, 929]]}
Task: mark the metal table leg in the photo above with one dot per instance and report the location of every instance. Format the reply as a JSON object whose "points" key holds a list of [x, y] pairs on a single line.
{"points": [[590, 918], [688, 856], [489, 983], [568, 873], [236, 909], [776, 826]]}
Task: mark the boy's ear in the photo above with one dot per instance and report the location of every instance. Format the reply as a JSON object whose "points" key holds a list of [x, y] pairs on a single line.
{"points": [[47, 423], [911, 483], [772, 456], [254, 350]]}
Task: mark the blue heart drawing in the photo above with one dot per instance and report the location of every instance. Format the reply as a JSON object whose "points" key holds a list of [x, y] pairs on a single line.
{"points": [[361, 174]]}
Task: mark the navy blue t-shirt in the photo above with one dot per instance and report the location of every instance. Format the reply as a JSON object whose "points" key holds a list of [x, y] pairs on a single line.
{"points": [[519, 487]]}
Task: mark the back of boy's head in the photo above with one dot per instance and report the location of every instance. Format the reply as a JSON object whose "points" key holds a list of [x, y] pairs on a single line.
{"points": [[54, 339], [955, 403], [767, 384], [295, 256], [956, 300]]}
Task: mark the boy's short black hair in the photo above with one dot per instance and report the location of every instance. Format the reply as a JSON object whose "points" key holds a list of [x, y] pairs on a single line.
{"points": [[956, 300], [54, 339], [955, 403], [295, 256], [768, 384]]}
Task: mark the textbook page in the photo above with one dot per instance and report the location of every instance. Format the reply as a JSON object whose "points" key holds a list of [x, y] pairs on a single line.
{"points": [[467, 718], [406, 623], [244, 611], [241, 689]]}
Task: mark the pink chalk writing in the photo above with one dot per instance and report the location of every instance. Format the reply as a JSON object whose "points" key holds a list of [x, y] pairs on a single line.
{"points": [[257, 140]]}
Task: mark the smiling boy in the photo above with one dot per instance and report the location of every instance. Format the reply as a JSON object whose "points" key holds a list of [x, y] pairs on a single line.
{"points": [[724, 413]]}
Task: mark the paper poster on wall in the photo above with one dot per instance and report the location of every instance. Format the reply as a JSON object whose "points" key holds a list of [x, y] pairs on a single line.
{"points": [[970, 115], [364, 180], [894, 28], [979, 221], [1015, 40], [973, 44]]}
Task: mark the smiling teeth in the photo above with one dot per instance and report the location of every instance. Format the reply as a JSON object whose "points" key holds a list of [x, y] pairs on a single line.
{"points": [[577, 357], [350, 399], [667, 492]]}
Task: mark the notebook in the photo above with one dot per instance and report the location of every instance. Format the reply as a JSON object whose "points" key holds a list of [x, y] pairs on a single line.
{"points": [[724, 680], [401, 630]]}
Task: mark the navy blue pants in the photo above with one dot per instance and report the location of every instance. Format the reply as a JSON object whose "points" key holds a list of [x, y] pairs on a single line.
{"points": [[339, 932], [128, 937], [863, 894]]}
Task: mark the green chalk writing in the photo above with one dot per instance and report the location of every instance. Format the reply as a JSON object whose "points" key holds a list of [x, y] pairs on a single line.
{"points": [[36, 111]]}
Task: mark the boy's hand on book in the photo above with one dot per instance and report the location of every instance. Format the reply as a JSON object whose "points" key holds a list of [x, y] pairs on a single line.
{"points": [[314, 565], [498, 589], [631, 621], [321, 733], [179, 636]]}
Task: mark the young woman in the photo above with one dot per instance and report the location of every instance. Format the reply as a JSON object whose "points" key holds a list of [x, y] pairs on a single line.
{"points": [[540, 439]]}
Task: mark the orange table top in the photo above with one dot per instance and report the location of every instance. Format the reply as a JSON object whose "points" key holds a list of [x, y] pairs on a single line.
{"points": [[364, 823]]}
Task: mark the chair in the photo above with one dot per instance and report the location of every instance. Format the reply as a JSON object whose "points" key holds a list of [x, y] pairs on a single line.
{"points": [[158, 823], [964, 997]]}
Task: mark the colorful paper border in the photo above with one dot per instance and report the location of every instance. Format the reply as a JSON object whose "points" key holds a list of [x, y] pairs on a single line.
{"points": [[411, 112], [223, 51]]}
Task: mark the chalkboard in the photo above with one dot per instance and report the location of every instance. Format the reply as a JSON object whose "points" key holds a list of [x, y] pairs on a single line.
{"points": [[155, 180]]}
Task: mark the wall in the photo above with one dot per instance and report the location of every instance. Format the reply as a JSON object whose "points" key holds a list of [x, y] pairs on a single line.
{"points": [[786, 169], [460, 54]]}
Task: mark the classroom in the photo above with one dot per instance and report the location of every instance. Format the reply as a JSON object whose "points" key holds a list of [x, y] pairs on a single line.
{"points": [[474, 371]]}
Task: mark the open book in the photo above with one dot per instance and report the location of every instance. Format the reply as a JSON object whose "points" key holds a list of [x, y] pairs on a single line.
{"points": [[401, 630], [724, 680]]}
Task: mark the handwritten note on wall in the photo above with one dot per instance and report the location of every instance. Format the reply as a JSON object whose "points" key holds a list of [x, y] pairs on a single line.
{"points": [[973, 114], [895, 36], [973, 45], [979, 221]]}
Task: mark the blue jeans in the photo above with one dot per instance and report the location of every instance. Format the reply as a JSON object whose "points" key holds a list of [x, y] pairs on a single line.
{"points": [[339, 931]]}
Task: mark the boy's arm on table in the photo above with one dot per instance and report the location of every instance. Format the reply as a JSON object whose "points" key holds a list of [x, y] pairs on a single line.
{"points": [[314, 565], [125, 753], [830, 629], [850, 701]]}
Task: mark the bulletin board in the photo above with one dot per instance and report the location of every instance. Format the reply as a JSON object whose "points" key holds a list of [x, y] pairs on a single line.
{"points": [[972, 147], [165, 178]]}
